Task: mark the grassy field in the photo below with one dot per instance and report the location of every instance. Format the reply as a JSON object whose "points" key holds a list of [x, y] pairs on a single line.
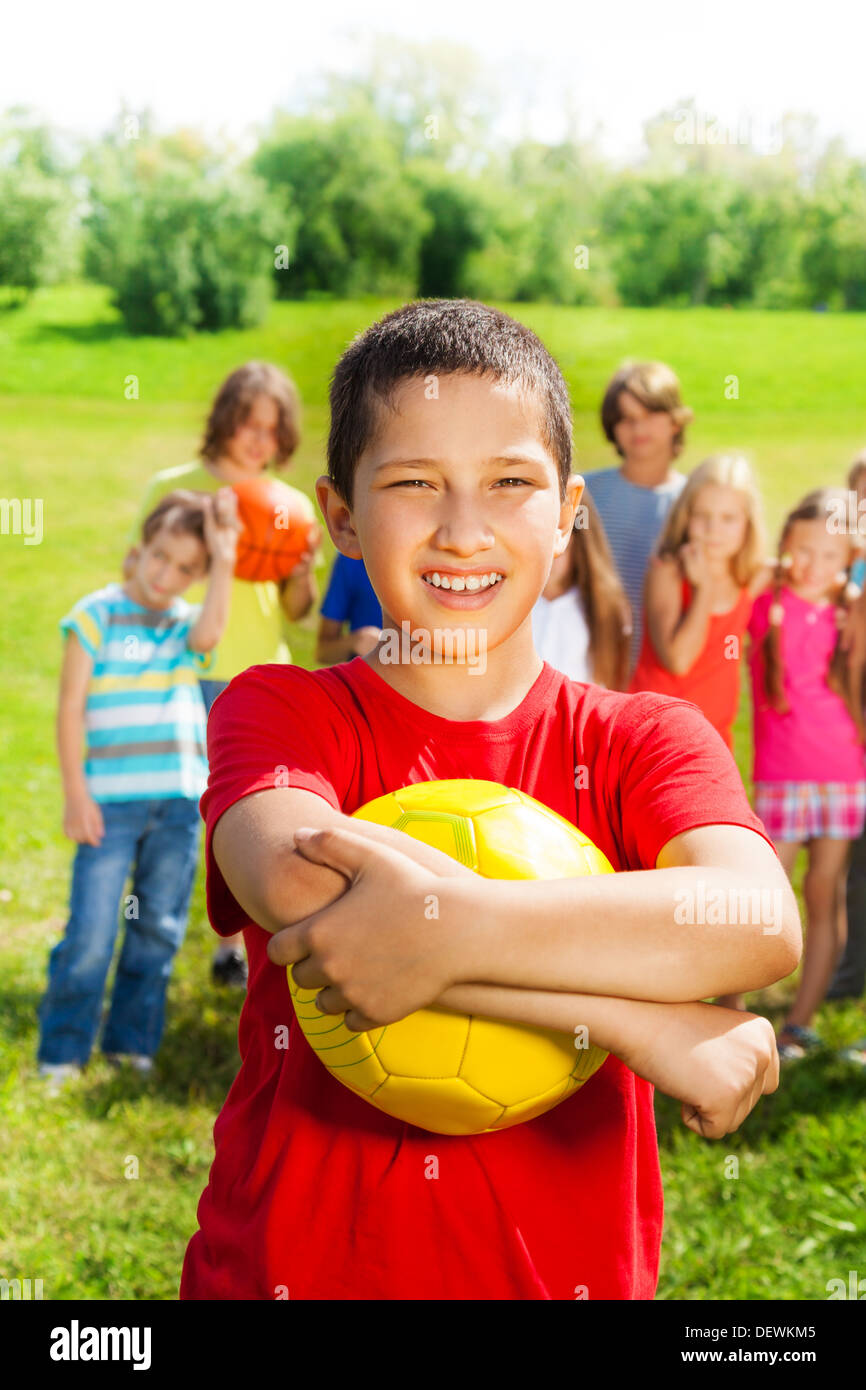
{"points": [[793, 1216]]}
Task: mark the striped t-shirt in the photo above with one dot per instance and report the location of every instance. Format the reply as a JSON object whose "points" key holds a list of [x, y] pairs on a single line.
{"points": [[632, 517], [144, 715]]}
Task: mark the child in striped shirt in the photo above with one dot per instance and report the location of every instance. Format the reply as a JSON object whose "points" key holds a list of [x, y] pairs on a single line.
{"points": [[643, 416], [129, 687]]}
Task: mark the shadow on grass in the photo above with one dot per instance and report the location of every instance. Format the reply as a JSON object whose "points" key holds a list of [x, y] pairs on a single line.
{"points": [[197, 1059], [83, 333], [10, 304]]}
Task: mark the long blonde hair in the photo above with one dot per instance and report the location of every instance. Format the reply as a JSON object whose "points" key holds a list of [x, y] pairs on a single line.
{"points": [[727, 470]]}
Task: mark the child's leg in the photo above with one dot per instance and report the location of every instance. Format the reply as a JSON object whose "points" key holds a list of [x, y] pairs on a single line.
{"points": [[229, 946], [162, 885], [821, 887], [70, 1009], [787, 851], [849, 980]]}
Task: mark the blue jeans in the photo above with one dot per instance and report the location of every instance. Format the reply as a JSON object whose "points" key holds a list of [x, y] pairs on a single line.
{"points": [[210, 690], [158, 841]]}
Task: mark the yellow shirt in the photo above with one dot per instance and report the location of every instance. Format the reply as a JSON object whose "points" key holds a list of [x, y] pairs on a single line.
{"points": [[256, 629]]}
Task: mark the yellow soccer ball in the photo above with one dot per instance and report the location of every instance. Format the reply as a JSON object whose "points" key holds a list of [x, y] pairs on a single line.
{"points": [[456, 1073]]}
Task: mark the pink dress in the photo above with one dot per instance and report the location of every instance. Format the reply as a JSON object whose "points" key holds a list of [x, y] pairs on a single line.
{"points": [[809, 764]]}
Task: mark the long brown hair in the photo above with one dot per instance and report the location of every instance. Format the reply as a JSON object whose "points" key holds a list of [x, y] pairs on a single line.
{"points": [[608, 613], [233, 402], [816, 506]]}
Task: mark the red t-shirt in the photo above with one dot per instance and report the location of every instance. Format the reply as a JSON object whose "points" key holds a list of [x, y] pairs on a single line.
{"points": [[317, 1194]]}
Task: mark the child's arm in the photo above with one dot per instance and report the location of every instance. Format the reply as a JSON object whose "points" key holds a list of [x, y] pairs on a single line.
{"points": [[254, 847], [333, 644], [82, 818], [717, 1062], [647, 934], [678, 638], [299, 591], [221, 537], [626, 935]]}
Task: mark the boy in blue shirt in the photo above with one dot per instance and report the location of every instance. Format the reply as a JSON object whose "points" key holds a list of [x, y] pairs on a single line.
{"points": [[129, 683], [350, 600], [643, 416]]}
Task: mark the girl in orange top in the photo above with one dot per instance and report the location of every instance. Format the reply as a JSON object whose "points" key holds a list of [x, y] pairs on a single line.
{"points": [[699, 591]]}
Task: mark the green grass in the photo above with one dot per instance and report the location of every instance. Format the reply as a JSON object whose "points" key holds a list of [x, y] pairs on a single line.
{"points": [[793, 1217]]}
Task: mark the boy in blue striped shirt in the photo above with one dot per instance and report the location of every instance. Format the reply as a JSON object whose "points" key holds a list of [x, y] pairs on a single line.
{"points": [[643, 416], [129, 689]]}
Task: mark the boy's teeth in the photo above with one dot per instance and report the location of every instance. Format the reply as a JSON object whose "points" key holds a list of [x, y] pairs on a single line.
{"points": [[457, 583]]}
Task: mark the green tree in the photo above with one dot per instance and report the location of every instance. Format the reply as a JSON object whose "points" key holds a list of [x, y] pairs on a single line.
{"points": [[34, 220], [38, 243], [459, 223], [182, 246], [360, 221]]}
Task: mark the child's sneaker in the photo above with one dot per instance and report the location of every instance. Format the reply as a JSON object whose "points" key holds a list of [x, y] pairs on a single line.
{"points": [[856, 1053], [230, 968], [57, 1073], [803, 1041], [136, 1060]]}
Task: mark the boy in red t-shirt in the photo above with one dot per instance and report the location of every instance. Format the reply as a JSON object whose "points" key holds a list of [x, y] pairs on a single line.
{"points": [[450, 456]]}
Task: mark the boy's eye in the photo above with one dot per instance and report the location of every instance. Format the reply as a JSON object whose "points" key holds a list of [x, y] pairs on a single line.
{"points": [[410, 482], [521, 481]]}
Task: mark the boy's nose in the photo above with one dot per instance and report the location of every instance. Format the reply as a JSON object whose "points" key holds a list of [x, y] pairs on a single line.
{"points": [[464, 532]]}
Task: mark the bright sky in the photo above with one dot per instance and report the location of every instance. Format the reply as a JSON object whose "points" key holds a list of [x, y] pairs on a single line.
{"points": [[615, 62]]}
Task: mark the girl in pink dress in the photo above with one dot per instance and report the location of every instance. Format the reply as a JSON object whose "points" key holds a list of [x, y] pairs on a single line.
{"points": [[809, 763]]}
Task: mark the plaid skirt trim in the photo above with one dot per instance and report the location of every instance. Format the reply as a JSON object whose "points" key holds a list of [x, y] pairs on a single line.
{"points": [[811, 810]]}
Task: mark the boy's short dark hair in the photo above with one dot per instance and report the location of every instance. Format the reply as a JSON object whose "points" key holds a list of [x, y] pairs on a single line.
{"points": [[182, 512], [433, 337]]}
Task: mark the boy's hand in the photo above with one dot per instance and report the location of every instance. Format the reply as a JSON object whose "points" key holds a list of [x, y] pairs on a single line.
{"points": [[304, 563], [364, 639], [82, 819], [718, 1062], [386, 947], [222, 527]]}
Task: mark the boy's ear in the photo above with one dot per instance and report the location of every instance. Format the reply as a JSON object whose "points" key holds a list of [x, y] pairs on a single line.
{"points": [[568, 512], [338, 518]]}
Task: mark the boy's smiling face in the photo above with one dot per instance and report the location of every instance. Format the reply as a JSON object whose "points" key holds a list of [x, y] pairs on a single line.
{"points": [[165, 567], [463, 487]]}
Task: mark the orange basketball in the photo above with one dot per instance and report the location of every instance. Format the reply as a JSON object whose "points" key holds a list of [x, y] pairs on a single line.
{"points": [[277, 525]]}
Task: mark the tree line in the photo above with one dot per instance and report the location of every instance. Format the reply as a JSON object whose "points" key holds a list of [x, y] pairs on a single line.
{"points": [[395, 184]]}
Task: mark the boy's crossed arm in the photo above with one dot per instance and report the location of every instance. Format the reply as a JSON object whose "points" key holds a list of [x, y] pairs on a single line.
{"points": [[554, 954]]}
